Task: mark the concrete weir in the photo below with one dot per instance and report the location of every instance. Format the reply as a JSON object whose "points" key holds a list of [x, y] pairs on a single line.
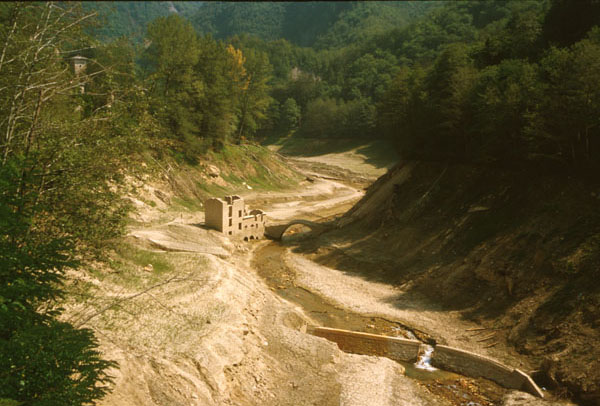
{"points": [[450, 359], [474, 365], [398, 349]]}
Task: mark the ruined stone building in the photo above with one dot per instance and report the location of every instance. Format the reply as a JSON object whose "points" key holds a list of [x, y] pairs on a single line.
{"points": [[79, 64], [229, 216]]}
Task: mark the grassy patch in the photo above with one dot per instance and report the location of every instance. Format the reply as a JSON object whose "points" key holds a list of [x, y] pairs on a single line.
{"points": [[136, 267], [188, 203], [239, 169], [149, 202], [248, 164], [300, 146], [210, 189]]}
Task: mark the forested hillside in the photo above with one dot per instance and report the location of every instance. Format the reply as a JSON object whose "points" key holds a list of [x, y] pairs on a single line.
{"points": [[130, 18], [512, 92], [78, 116], [481, 81], [318, 24]]}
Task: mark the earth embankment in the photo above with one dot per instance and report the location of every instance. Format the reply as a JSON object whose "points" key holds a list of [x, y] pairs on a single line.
{"points": [[190, 322], [189, 318], [516, 254]]}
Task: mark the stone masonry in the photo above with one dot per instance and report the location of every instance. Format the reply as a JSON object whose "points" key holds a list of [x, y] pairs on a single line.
{"points": [[229, 216]]}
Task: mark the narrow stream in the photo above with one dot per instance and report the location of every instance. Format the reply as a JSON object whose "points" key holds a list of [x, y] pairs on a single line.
{"points": [[457, 389]]}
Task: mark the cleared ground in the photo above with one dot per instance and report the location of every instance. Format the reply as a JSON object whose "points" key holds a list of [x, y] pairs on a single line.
{"points": [[190, 320]]}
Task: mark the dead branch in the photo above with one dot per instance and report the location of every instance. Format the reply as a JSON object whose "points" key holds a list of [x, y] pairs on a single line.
{"points": [[487, 338], [17, 10]]}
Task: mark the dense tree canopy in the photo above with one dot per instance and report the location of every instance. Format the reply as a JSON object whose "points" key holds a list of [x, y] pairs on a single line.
{"points": [[60, 161], [319, 24], [130, 18]]}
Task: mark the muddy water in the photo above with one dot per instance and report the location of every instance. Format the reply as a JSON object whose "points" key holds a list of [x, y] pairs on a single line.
{"points": [[459, 390]]}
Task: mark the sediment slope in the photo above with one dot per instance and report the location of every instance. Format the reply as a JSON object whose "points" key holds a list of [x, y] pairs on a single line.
{"points": [[516, 253], [189, 321]]}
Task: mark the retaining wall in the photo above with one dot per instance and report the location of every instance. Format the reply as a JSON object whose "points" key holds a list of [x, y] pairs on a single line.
{"points": [[450, 359], [474, 365], [395, 348]]}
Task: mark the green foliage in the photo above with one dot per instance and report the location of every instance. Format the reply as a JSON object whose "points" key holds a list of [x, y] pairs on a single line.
{"points": [[203, 92], [170, 61], [290, 115], [322, 118], [424, 39], [130, 18], [224, 19], [222, 69], [448, 86], [52, 363], [401, 112], [61, 163], [503, 96], [319, 24], [254, 99], [517, 37], [298, 23], [365, 20], [172, 54], [571, 100], [494, 94], [331, 118], [370, 75]]}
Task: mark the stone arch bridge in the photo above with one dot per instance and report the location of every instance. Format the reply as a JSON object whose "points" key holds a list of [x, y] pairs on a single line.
{"points": [[276, 231]]}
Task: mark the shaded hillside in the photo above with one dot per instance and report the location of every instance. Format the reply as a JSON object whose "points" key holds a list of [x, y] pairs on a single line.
{"points": [[516, 253], [306, 23], [130, 18]]}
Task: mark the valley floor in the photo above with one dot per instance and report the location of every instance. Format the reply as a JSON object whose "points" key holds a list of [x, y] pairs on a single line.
{"points": [[205, 323]]}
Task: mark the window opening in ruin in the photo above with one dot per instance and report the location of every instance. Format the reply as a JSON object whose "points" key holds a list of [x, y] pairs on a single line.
{"points": [[240, 213], [230, 212], [230, 222], [230, 233], [239, 226]]}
